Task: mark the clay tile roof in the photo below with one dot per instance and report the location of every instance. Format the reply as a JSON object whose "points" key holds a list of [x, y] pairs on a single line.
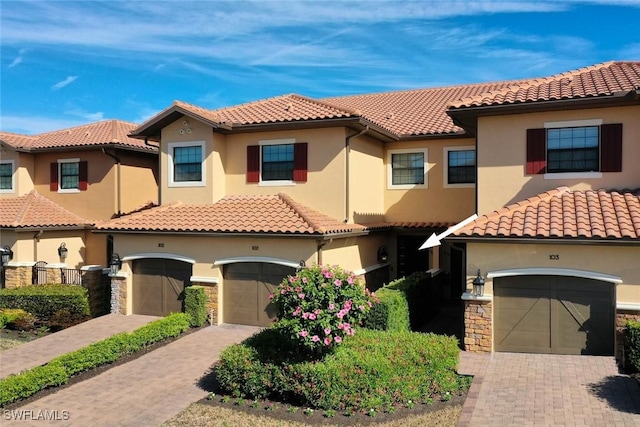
{"points": [[17, 140], [35, 210], [285, 108], [567, 214], [277, 214], [108, 132], [604, 79], [414, 112]]}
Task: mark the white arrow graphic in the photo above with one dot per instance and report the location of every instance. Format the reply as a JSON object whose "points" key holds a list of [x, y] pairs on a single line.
{"points": [[434, 240]]}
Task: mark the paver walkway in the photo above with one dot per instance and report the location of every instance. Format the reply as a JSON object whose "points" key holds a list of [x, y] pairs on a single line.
{"points": [[512, 389], [143, 392], [42, 350]]}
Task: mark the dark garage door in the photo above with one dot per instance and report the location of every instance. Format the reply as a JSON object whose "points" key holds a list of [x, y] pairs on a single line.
{"points": [[247, 287], [554, 314], [158, 286]]}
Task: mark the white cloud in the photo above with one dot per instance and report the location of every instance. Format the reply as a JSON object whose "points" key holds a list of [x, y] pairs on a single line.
{"points": [[32, 125], [64, 82], [18, 59], [86, 115]]}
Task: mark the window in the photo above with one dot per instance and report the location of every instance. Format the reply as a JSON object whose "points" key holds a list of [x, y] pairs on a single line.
{"points": [[582, 147], [6, 176], [186, 164], [277, 162], [460, 170], [69, 176], [407, 169]]}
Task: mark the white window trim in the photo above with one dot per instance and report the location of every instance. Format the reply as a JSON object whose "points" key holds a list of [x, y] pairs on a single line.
{"points": [[445, 172], [281, 183], [67, 190], [573, 123], [573, 175], [170, 166], [391, 186], [13, 177]]}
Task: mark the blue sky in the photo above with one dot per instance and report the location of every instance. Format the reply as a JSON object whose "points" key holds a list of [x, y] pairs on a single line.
{"points": [[66, 63]]}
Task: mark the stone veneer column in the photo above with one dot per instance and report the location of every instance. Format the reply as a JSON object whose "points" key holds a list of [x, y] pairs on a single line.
{"points": [[622, 316], [99, 289], [478, 323], [118, 294], [210, 286], [18, 274]]}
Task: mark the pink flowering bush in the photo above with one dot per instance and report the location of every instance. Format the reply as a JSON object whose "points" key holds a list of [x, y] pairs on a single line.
{"points": [[320, 305]]}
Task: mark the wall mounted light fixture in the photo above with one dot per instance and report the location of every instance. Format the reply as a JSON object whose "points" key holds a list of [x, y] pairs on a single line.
{"points": [[383, 255], [63, 251], [115, 264], [478, 285], [7, 254]]}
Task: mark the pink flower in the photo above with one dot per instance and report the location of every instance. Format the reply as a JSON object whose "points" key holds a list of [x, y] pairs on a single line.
{"points": [[361, 307], [338, 282], [315, 338], [318, 311], [350, 280], [340, 325], [271, 296], [301, 295], [338, 339], [297, 311], [328, 274], [327, 331], [298, 289], [312, 316], [327, 341], [304, 280], [283, 291], [292, 279], [341, 314], [332, 306], [303, 334], [369, 304], [305, 315], [350, 332]]}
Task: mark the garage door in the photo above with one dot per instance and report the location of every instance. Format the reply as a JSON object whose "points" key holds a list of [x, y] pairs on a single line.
{"points": [[247, 287], [554, 314], [158, 286]]}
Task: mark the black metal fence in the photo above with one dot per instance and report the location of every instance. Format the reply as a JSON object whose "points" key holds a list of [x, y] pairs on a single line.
{"points": [[68, 276]]}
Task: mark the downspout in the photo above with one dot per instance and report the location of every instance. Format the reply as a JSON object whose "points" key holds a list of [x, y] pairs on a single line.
{"points": [[321, 244], [118, 180], [347, 148]]}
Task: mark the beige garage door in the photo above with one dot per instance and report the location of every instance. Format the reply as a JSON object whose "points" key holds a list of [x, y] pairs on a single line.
{"points": [[554, 314], [247, 287], [158, 286]]}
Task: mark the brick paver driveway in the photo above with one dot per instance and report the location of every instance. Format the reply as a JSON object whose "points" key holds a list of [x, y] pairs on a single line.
{"points": [[143, 392], [548, 390]]}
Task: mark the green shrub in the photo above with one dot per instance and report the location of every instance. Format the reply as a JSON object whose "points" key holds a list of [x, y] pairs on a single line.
{"points": [[63, 319], [392, 314], [44, 300], [9, 315], [632, 343], [59, 370], [23, 322], [372, 369], [422, 293], [195, 303], [319, 306]]}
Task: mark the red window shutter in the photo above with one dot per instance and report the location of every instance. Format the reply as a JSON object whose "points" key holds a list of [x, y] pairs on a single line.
{"points": [[611, 147], [536, 151], [53, 174], [83, 176], [253, 163], [300, 162]]}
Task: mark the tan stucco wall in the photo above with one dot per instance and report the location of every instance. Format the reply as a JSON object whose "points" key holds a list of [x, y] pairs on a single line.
{"points": [[366, 178], [501, 159], [354, 253], [27, 248], [325, 187], [23, 172], [620, 261], [435, 203], [138, 180]]}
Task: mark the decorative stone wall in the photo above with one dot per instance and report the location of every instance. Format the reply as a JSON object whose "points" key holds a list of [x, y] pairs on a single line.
{"points": [[17, 276], [118, 295], [478, 326], [54, 274], [211, 291], [622, 316], [98, 285]]}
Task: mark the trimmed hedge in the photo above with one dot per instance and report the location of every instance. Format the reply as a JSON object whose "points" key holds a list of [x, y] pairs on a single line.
{"points": [[195, 303], [370, 370], [632, 343], [423, 296], [391, 314], [59, 370], [43, 301]]}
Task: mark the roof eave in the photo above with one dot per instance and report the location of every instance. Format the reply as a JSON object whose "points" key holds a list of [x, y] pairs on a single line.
{"points": [[547, 240], [31, 228], [117, 145], [152, 129]]}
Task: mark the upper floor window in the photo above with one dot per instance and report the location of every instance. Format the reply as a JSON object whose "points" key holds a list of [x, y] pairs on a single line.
{"points": [[6, 176], [186, 164], [277, 162], [582, 147], [407, 169], [69, 176], [460, 168]]}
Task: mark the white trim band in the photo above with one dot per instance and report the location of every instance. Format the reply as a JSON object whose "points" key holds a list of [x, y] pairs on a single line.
{"points": [[159, 255], [269, 260], [468, 296], [368, 269], [554, 272], [630, 306], [202, 279]]}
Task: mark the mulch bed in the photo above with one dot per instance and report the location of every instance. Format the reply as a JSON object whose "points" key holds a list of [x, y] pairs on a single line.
{"points": [[282, 411], [97, 371]]}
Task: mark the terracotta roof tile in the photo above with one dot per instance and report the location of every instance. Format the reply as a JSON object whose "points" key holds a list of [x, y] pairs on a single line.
{"points": [[108, 132], [35, 210], [276, 214], [604, 79], [562, 213]]}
